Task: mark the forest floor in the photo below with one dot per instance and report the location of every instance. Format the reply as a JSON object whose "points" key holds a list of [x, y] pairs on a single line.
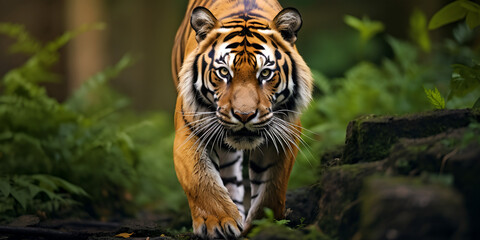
{"points": [[397, 177]]}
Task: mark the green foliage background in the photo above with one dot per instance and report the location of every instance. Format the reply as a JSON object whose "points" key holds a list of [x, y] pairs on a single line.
{"points": [[393, 86], [93, 151], [90, 149]]}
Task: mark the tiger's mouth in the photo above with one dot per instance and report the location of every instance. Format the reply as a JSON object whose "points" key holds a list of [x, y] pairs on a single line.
{"points": [[244, 132], [244, 139]]}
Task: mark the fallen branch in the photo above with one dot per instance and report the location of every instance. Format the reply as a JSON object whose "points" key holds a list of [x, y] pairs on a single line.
{"points": [[40, 232]]}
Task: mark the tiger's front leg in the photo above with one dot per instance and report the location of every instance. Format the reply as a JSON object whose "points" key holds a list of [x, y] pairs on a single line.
{"points": [[213, 212], [269, 172]]}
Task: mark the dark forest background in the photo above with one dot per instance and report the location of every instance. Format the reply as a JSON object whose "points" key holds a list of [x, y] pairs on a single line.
{"points": [[146, 29]]}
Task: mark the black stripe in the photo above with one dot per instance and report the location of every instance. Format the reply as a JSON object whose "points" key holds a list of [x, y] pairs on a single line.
{"points": [[235, 21], [258, 169], [285, 94], [219, 234], [234, 15], [291, 104], [231, 35], [257, 46], [211, 54], [278, 56], [286, 71], [278, 82], [215, 165], [226, 122], [294, 69], [237, 202], [254, 196], [231, 180], [194, 90], [255, 27], [216, 154], [233, 26], [224, 114], [230, 163], [262, 116], [257, 182], [233, 45], [256, 22], [204, 90], [204, 230], [260, 37], [273, 43]]}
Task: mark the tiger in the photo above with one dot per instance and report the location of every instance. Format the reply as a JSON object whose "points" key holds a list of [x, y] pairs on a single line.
{"points": [[242, 86]]}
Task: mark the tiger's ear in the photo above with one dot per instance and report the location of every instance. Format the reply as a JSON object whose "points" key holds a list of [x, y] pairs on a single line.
{"points": [[288, 22], [202, 22]]}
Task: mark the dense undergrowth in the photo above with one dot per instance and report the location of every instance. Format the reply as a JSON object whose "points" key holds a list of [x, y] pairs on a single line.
{"points": [[90, 151]]}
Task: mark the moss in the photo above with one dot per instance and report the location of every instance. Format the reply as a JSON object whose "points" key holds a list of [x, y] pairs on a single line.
{"points": [[277, 232], [340, 187], [370, 138], [414, 208], [186, 236], [452, 156]]}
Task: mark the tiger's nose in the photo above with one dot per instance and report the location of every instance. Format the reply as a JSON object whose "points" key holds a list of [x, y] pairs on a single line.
{"points": [[244, 117]]}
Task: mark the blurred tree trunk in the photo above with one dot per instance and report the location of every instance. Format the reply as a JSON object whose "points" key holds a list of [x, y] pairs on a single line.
{"points": [[44, 20], [86, 53], [146, 29]]}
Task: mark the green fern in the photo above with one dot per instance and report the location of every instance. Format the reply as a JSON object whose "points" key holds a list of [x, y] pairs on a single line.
{"points": [[33, 193], [52, 145], [92, 141], [435, 98], [366, 27]]}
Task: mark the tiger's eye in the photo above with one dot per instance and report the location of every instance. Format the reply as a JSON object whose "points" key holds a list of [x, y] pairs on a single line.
{"points": [[265, 73], [224, 71]]}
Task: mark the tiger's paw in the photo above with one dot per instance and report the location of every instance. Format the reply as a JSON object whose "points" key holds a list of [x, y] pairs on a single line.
{"points": [[213, 227]]}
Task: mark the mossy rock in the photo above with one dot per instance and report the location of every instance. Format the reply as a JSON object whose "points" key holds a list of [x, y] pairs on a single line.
{"points": [[453, 154], [370, 138], [302, 205], [408, 208], [338, 206]]}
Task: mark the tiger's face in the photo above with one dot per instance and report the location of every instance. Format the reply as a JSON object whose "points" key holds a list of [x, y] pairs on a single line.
{"points": [[247, 77]]}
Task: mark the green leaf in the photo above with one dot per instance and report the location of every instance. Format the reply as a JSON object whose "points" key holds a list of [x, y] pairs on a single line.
{"points": [[419, 31], [366, 27], [69, 35], [464, 80], [448, 14], [55, 182], [269, 214], [473, 19], [25, 43], [85, 98], [44, 182], [477, 103], [470, 6], [435, 98], [6, 135], [5, 186], [405, 53], [22, 195]]}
